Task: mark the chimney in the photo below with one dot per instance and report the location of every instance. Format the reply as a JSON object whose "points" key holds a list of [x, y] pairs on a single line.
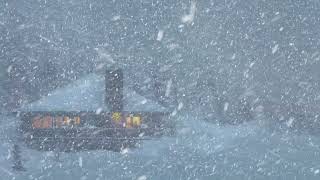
{"points": [[114, 90]]}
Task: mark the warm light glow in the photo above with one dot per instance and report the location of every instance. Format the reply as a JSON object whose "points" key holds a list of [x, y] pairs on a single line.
{"points": [[59, 121], [42, 122], [66, 120], [116, 116], [128, 122], [136, 120], [77, 120]]}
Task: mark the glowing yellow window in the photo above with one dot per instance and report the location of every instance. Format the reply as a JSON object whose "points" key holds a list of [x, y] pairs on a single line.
{"points": [[77, 120], [128, 122], [136, 120], [116, 116], [47, 122], [36, 123], [42, 122], [66, 120], [59, 121]]}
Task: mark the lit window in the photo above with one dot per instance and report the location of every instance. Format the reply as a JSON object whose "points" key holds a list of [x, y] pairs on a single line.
{"points": [[136, 120]]}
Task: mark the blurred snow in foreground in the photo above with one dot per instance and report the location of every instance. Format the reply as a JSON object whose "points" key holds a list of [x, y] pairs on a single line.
{"points": [[199, 151], [188, 18]]}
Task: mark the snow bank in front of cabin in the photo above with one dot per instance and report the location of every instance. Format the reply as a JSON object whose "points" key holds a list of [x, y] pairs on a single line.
{"points": [[199, 151]]}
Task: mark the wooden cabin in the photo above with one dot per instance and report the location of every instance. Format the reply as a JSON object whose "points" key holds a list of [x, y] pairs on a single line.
{"points": [[97, 111]]}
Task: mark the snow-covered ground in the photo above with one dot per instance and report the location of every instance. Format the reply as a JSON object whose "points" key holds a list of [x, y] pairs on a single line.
{"points": [[198, 151]]}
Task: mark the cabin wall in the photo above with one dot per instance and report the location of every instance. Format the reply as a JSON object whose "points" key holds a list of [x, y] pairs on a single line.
{"points": [[94, 131]]}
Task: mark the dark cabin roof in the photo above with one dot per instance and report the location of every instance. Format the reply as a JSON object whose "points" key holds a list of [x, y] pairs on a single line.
{"points": [[88, 94]]}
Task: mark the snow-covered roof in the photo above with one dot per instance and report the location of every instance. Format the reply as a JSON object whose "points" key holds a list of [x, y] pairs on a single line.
{"points": [[88, 94]]}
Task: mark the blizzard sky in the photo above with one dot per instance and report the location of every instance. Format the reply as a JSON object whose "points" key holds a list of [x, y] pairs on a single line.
{"points": [[222, 61]]}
